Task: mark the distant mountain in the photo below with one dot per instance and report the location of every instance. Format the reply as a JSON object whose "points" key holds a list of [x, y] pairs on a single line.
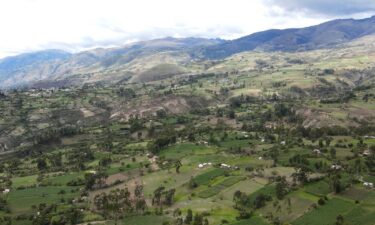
{"points": [[161, 58], [34, 67], [26, 61], [324, 35]]}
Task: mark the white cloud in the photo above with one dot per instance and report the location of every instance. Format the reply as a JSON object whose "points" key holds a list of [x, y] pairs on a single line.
{"points": [[74, 25]]}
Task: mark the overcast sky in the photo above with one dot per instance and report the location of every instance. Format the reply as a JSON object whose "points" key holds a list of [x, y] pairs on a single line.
{"points": [[75, 25]]}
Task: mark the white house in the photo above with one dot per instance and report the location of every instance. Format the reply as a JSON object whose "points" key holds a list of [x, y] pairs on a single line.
{"points": [[336, 167], [225, 166], [6, 191], [203, 165], [316, 151], [368, 184], [367, 152]]}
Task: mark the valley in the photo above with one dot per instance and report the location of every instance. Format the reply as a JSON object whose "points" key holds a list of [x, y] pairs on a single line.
{"points": [[254, 138]]}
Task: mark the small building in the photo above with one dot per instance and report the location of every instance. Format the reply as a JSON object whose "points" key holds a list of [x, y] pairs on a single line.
{"points": [[317, 151], [368, 184], [336, 167], [203, 165], [367, 152], [225, 166], [283, 143], [6, 191]]}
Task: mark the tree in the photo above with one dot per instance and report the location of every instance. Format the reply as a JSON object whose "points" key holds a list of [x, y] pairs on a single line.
{"points": [[335, 182], [156, 200], [3, 204], [301, 175], [260, 200], [198, 219], [169, 196], [114, 204], [281, 188], [178, 166], [72, 216], [192, 183], [105, 162], [41, 164], [94, 179], [332, 152], [189, 217], [339, 220], [140, 204]]}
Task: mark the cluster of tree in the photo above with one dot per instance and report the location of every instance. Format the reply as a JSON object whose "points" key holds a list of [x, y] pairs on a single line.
{"points": [[343, 98], [3, 204], [119, 203], [78, 156], [95, 180], [190, 219], [161, 142], [53, 135], [128, 93], [246, 204], [163, 197], [49, 215], [242, 99]]}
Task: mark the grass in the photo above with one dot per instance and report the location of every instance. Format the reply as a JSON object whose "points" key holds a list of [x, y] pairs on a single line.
{"points": [[320, 188], [326, 214], [185, 149], [360, 215], [206, 177], [267, 190], [252, 221], [64, 179], [20, 201], [145, 220], [215, 189], [24, 181]]}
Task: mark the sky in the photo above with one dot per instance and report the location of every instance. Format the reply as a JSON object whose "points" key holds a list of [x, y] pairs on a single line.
{"points": [[77, 25]]}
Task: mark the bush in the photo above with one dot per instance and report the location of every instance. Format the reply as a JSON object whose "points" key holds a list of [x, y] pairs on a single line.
{"points": [[321, 201]]}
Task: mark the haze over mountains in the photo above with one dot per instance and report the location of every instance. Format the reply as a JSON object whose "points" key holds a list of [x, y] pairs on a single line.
{"points": [[141, 61]]}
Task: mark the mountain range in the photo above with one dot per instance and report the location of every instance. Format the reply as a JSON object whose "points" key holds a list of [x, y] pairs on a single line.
{"points": [[142, 61]]}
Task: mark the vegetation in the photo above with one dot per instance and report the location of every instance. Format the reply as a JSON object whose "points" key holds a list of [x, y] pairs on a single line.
{"points": [[257, 138]]}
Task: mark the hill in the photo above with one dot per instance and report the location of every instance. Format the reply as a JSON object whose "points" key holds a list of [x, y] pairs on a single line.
{"points": [[324, 35]]}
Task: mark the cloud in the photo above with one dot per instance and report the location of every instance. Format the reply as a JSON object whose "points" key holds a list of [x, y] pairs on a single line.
{"points": [[72, 25], [326, 7]]}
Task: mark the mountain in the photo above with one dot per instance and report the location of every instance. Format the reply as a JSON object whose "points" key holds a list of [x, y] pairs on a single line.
{"points": [[30, 65], [161, 58], [25, 61], [324, 35], [29, 68]]}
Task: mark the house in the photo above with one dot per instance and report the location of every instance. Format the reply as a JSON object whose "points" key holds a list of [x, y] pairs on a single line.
{"points": [[6, 191], [283, 142], [368, 184], [225, 166], [336, 167], [367, 152], [316, 151], [92, 172], [203, 143], [203, 165]]}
